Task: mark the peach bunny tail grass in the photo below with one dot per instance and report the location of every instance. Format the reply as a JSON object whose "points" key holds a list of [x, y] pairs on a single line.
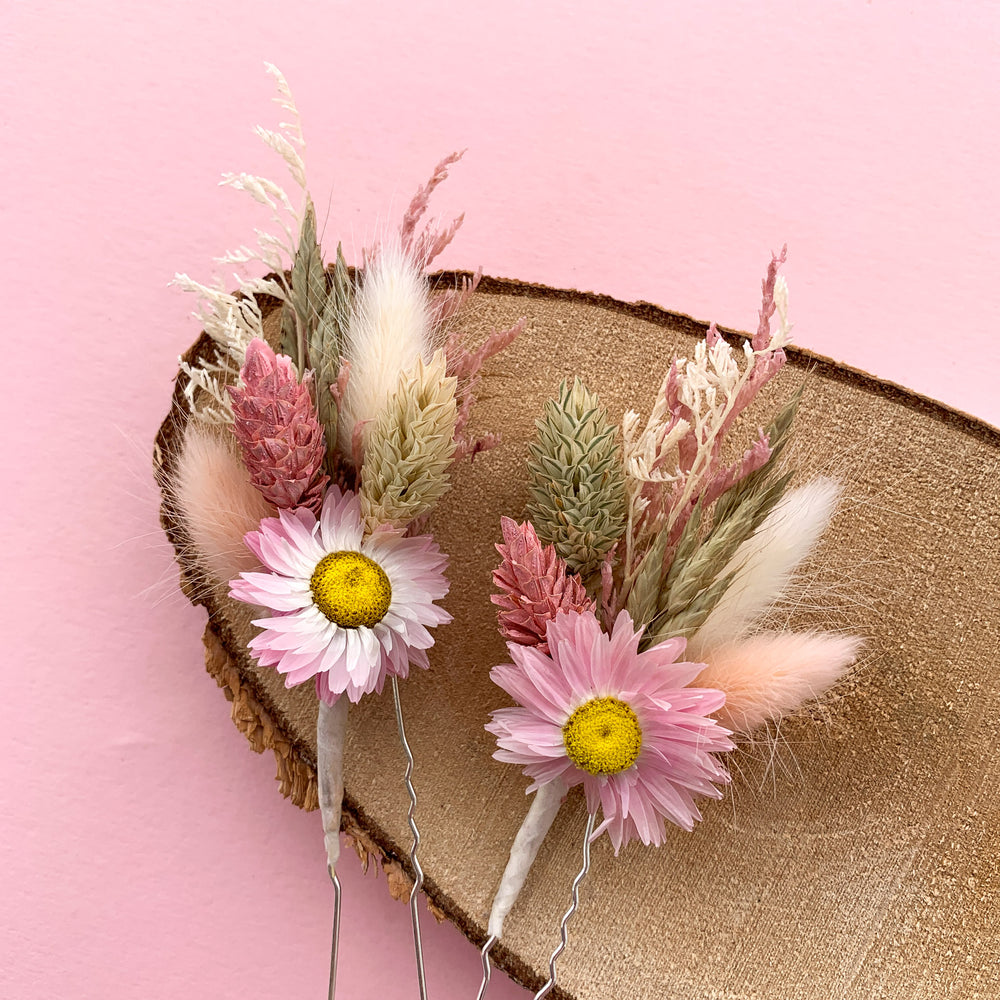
{"points": [[770, 675], [217, 502]]}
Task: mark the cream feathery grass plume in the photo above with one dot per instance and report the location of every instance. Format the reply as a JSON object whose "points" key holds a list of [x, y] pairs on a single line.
{"points": [[388, 332], [216, 501], [772, 674], [231, 323], [392, 323], [232, 320], [765, 563], [399, 316]]}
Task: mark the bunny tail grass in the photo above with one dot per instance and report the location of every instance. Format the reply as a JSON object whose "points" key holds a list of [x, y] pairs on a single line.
{"points": [[770, 675], [765, 563], [389, 330], [217, 502]]}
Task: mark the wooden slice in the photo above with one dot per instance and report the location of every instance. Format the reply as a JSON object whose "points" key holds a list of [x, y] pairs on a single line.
{"points": [[854, 856]]}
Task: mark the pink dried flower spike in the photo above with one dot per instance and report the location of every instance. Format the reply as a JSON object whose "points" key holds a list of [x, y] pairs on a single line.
{"points": [[535, 586], [427, 245], [278, 430]]}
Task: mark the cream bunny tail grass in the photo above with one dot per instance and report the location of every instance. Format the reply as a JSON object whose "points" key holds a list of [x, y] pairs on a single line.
{"points": [[772, 674], [217, 502], [389, 330], [766, 562]]}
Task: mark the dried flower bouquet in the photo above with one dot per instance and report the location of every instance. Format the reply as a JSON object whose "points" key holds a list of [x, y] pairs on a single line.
{"points": [[309, 467], [634, 600]]}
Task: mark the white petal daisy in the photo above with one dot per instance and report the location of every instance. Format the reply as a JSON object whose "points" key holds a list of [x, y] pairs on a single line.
{"points": [[346, 609]]}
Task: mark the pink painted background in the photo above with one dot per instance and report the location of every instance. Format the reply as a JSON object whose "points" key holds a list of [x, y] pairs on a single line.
{"points": [[655, 153]]}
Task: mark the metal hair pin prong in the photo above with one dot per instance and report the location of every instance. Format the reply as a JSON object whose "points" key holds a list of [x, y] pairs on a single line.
{"points": [[418, 872], [561, 947], [484, 954], [335, 940]]}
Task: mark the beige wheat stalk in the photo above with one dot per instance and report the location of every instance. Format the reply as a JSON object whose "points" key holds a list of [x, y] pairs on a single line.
{"points": [[410, 447]]}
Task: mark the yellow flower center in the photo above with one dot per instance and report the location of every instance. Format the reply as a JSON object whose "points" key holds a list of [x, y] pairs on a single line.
{"points": [[351, 589], [602, 736]]}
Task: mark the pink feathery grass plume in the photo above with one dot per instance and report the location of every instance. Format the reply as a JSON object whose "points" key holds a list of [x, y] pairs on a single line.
{"points": [[754, 458], [430, 315], [769, 675], [699, 451], [762, 338], [278, 430], [346, 609], [426, 246], [535, 585], [769, 357], [449, 301], [216, 501], [624, 724], [467, 366], [463, 363]]}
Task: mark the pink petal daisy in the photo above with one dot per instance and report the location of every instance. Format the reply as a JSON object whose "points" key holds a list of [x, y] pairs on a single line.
{"points": [[624, 724], [347, 610]]}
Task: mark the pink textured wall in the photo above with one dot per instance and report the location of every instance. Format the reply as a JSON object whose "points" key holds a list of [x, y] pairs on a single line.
{"points": [[656, 154]]}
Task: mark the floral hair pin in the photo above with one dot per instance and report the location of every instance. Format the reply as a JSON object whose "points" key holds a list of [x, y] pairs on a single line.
{"points": [[316, 447], [635, 602]]}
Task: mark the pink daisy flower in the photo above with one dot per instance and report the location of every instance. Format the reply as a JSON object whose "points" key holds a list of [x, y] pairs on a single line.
{"points": [[624, 724], [347, 610]]}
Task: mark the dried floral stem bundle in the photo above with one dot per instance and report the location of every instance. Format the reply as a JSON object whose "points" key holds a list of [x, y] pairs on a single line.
{"points": [[327, 450], [632, 600]]}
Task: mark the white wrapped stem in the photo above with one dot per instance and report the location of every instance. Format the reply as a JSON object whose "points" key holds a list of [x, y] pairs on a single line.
{"points": [[331, 728], [524, 850]]}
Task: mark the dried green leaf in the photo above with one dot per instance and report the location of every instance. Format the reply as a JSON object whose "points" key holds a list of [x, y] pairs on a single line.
{"points": [[324, 350], [306, 294], [642, 602]]}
